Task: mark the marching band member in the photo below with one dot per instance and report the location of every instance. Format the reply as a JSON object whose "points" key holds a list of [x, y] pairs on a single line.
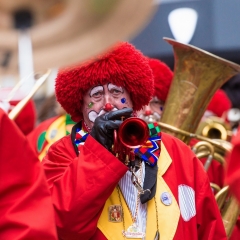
{"points": [[163, 191], [163, 76], [217, 107], [232, 177], [26, 209], [50, 130]]}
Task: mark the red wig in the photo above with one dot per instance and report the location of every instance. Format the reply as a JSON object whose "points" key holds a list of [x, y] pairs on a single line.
{"points": [[123, 66], [163, 76], [220, 103]]}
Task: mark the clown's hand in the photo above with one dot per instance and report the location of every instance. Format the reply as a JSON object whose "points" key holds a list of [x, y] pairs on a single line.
{"points": [[5, 106], [105, 124]]}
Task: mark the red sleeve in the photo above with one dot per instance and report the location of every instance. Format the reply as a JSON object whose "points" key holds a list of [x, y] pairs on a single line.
{"points": [[26, 210], [80, 185], [209, 220]]}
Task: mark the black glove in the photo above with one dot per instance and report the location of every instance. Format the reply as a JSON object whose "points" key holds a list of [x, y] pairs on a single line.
{"points": [[105, 124]]}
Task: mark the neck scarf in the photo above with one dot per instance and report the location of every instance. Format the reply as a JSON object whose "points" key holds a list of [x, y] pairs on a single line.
{"points": [[149, 152]]}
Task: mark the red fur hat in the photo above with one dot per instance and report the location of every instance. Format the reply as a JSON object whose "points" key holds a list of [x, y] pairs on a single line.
{"points": [[124, 66], [163, 76], [219, 103]]}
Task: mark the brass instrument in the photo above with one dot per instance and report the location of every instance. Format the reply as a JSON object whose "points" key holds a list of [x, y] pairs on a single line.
{"points": [[17, 109], [197, 76], [132, 133], [210, 152], [215, 128], [215, 187], [229, 207], [221, 145]]}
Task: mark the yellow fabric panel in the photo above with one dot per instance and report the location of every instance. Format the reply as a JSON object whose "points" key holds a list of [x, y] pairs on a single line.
{"points": [[168, 216]]}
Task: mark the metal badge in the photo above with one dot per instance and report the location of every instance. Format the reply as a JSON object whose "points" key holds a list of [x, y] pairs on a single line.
{"points": [[115, 213], [133, 232], [166, 198]]}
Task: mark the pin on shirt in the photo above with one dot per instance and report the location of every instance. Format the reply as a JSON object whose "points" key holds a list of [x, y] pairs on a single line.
{"points": [[166, 198], [115, 213]]}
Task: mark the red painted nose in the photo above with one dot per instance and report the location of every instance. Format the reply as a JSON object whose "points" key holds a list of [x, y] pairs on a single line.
{"points": [[108, 107], [147, 111]]}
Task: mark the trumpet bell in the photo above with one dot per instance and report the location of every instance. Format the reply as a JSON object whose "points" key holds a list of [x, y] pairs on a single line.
{"points": [[133, 132]]}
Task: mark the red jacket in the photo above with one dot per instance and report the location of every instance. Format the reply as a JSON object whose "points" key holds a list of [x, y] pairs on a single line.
{"points": [[81, 186], [233, 177], [26, 210], [233, 166]]}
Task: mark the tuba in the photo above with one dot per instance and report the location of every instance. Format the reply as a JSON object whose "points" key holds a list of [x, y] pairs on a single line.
{"points": [[197, 76]]}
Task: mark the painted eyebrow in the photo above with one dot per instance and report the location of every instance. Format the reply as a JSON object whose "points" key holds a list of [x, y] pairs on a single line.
{"points": [[95, 90], [112, 86]]}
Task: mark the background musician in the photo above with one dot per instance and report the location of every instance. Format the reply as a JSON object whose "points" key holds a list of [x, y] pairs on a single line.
{"points": [[163, 76]]}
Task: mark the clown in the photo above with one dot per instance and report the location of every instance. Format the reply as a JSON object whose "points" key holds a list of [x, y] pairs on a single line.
{"points": [[163, 76], [50, 130], [163, 192]]}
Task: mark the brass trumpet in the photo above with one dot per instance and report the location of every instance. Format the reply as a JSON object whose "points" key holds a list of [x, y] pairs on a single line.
{"points": [[132, 133]]}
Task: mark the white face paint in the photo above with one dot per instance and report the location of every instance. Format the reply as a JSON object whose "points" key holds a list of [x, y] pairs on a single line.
{"points": [[96, 98], [112, 88], [93, 115], [96, 91], [153, 111]]}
